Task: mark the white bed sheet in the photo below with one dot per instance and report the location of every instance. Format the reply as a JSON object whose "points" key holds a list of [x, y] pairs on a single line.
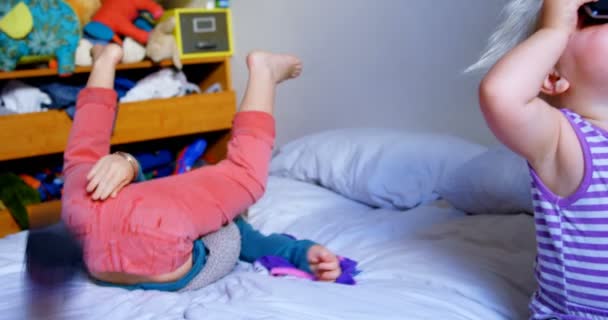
{"points": [[430, 262]]}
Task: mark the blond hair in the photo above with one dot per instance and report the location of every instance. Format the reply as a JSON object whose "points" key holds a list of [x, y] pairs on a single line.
{"points": [[520, 18]]}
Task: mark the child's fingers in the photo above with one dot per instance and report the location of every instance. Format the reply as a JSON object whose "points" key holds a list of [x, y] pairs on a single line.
{"points": [[117, 183], [99, 176], [328, 265], [91, 186], [105, 191], [112, 181], [104, 181], [101, 165], [95, 169], [313, 259], [329, 275], [117, 189], [326, 255]]}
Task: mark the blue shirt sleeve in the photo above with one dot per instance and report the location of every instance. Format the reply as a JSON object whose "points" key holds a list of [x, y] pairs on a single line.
{"points": [[140, 173], [140, 176], [255, 245]]}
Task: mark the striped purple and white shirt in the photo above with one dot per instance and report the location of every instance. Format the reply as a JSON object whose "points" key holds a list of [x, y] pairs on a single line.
{"points": [[572, 236]]}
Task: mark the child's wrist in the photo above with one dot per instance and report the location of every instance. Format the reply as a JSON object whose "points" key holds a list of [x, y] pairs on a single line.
{"points": [[132, 161], [104, 62]]}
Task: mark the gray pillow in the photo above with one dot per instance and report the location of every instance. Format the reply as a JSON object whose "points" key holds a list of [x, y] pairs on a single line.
{"points": [[384, 168], [494, 182]]}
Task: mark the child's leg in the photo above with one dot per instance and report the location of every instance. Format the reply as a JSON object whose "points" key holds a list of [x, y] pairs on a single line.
{"points": [[213, 195], [89, 138]]}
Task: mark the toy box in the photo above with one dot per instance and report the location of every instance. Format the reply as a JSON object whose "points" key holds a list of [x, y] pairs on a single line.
{"points": [[202, 32]]}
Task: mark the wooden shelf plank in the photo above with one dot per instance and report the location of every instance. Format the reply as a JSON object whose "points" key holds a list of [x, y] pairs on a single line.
{"points": [[7, 224], [39, 215], [42, 133], [42, 72]]}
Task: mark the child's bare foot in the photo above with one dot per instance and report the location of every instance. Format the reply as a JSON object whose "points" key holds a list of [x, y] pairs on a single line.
{"points": [[279, 67], [108, 54]]}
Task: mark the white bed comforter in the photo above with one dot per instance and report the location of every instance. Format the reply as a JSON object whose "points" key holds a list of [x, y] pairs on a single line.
{"points": [[425, 263]]}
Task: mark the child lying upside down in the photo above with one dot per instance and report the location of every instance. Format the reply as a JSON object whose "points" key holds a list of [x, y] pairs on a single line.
{"points": [[148, 235]]}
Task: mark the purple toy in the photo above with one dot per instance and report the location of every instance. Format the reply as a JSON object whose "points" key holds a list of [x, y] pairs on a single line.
{"points": [[279, 266]]}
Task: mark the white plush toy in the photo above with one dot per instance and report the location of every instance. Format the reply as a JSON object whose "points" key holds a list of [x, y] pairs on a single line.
{"points": [[132, 52], [83, 53], [162, 44]]}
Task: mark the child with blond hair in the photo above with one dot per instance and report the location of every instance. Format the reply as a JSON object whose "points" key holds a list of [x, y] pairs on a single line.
{"points": [[546, 98]]}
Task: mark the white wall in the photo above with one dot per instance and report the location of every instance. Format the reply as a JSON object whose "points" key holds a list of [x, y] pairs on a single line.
{"points": [[397, 65]]}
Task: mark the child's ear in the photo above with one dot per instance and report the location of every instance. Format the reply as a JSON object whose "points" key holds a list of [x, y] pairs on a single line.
{"points": [[555, 84]]}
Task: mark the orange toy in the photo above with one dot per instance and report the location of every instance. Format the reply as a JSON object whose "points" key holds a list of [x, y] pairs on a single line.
{"points": [[118, 17], [84, 9]]}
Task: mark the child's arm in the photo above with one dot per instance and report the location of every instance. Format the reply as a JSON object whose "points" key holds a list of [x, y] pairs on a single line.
{"points": [[509, 92], [304, 254]]}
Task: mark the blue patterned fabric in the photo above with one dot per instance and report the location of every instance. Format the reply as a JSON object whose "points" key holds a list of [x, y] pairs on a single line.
{"points": [[56, 33]]}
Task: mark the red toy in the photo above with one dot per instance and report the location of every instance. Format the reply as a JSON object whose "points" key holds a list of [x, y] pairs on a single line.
{"points": [[119, 15]]}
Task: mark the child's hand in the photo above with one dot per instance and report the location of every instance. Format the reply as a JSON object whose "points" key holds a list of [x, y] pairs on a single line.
{"points": [[109, 175], [323, 263], [108, 55], [562, 14]]}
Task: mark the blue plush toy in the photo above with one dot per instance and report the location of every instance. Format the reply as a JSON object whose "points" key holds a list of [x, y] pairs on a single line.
{"points": [[34, 29]]}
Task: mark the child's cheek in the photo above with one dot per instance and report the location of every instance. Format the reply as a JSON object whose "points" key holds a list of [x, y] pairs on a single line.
{"points": [[587, 54]]}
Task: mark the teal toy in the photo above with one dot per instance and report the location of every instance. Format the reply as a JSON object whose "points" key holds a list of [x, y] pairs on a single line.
{"points": [[38, 30]]}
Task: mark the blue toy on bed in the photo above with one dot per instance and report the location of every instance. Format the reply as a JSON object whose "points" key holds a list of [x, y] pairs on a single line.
{"points": [[37, 29]]}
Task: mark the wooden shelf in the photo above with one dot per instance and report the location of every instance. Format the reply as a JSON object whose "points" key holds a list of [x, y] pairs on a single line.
{"points": [[44, 133], [7, 224], [42, 72], [39, 215]]}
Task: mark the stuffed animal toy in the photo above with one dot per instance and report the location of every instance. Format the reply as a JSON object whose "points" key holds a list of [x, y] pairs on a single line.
{"points": [[83, 53], [116, 18], [162, 44], [39, 28], [133, 51]]}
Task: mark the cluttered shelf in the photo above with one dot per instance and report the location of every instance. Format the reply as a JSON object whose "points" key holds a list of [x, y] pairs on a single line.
{"points": [[43, 72], [40, 133], [168, 109]]}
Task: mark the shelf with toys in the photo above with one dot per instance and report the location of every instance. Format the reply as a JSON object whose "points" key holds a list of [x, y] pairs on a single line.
{"points": [[30, 140], [41, 133]]}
